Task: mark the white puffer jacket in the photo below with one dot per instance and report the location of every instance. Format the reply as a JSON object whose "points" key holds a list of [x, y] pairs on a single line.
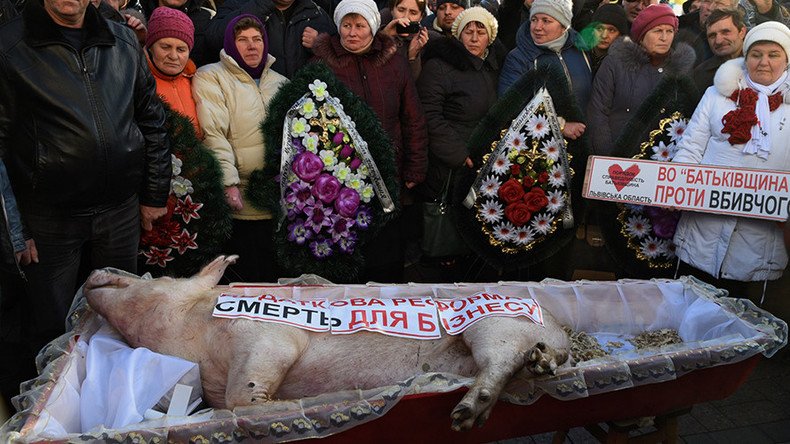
{"points": [[230, 109], [730, 247]]}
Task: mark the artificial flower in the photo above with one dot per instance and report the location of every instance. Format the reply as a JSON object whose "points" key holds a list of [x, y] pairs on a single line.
{"points": [[326, 187], [318, 88], [652, 247], [299, 127], [355, 164], [181, 186], [523, 235], [367, 193], [491, 211], [321, 249], [538, 126], [308, 109], [637, 226], [340, 226], [158, 256], [535, 199], [347, 202], [556, 200], [328, 157], [347, 243], [556, 176], [364, 217], [551, 149], [341, 171], [184, 241], [307, 166], [662, 152], [177, 164], [501, 165], [517, 142], [518, 213], [187, 209], [318, 216], [541, 223], [676, 129], [490, 186], [511, 191], [310, 142], [504, 231]]}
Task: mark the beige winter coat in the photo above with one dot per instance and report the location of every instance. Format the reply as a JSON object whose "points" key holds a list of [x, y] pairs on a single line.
{"points": [[230, 109]]}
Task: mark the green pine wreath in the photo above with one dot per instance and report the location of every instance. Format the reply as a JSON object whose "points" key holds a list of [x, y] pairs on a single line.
{"points": [[487, 132], [263, 190], [197, 223], [674, 97]]}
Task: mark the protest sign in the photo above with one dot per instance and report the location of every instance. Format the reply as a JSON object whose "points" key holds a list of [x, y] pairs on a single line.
{"points": [[460, 313], [761, 194]]}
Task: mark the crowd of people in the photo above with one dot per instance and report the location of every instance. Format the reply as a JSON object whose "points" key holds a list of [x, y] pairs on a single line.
{"points": [[86, 162]]}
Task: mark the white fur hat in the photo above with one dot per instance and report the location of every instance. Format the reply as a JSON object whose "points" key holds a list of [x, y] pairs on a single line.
{"points": [[768, 32], [365, 8], [476, 14], [559, 10]]}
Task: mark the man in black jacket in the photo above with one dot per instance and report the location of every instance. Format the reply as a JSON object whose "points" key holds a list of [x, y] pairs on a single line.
{"points": [[291, 27], [82, 134]]}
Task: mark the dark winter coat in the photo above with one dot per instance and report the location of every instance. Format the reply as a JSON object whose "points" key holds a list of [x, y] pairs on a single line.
{"points": [[384, 82], [7, 11], [691, 32], [79, 131], [704, 72], [201, 54], [456, 89], [527, 55], [284, 29], [626, 78]]}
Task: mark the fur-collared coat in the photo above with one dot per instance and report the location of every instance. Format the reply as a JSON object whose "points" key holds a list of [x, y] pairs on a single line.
{"points": [[624, 80], [456, 89], [385, 83], [730, 247]]}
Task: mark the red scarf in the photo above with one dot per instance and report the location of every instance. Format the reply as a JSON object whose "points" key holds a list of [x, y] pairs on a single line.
{"points": [[738, 123]]}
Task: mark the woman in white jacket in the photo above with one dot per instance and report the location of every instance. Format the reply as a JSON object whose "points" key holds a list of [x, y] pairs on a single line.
{"points": [[232, 96], [736, 249]]}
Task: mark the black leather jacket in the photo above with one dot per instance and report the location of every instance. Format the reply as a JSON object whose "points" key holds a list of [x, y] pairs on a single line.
{"points": [[79, 131]]}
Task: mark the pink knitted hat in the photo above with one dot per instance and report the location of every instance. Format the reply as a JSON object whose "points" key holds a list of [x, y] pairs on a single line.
{"points": [[169, 22], [650, 17]]}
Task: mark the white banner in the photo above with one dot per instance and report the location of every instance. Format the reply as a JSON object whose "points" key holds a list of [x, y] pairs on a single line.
{"points": [[458, 314], [761, 194], [309, 315], [413, 318]]}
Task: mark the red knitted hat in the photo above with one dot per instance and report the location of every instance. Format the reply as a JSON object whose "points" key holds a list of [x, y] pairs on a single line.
{"points": [[650, 17], [169, 22]]}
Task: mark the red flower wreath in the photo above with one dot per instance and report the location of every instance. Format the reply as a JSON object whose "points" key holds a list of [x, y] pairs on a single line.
{"points": [[738, 123]]}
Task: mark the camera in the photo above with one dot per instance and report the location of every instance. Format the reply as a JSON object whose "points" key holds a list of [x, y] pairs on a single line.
{"points": [[411, 28]]}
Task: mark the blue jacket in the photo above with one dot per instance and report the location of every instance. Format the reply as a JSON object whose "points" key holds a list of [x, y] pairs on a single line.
{"points": [[526, 55], [12, 237]]}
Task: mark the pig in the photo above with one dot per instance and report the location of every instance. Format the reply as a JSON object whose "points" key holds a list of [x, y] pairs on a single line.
{"points": [[245, 362]]}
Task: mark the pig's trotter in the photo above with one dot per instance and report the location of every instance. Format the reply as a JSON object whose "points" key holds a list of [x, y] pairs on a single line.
{"points": [[543, 360], [212, 272]]}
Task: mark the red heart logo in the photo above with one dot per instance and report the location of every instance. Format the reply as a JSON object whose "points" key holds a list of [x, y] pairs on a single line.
{"points": [[621, 178]]}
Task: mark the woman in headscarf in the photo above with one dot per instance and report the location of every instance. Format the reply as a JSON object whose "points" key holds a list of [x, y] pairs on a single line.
{"points": [[631, 71], [740, 122], [549, 39], [366, 62], [232, 96], [457, 88]]}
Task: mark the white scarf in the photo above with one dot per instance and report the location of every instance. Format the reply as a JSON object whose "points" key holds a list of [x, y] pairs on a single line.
{"points": [[556, 44], [760, 143]]}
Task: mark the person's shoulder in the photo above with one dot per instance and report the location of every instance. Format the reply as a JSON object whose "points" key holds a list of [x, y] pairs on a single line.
{"points": [[11, 33]]}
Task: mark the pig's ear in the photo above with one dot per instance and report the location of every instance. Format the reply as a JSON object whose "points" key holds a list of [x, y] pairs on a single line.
{"points": [[211, 273], [106, 278]]}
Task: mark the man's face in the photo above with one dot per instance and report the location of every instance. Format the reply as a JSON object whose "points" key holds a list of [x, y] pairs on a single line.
{"points": [[724, 38], [708, 6], [446, 14], [633, 8], [68, 13]]}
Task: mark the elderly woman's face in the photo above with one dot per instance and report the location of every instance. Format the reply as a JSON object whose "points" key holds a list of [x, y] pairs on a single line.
{"points": [[249, 42], [170, 55], [355, 33], [544, 28], [765, 62], [475, 38], [658, 40]]}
